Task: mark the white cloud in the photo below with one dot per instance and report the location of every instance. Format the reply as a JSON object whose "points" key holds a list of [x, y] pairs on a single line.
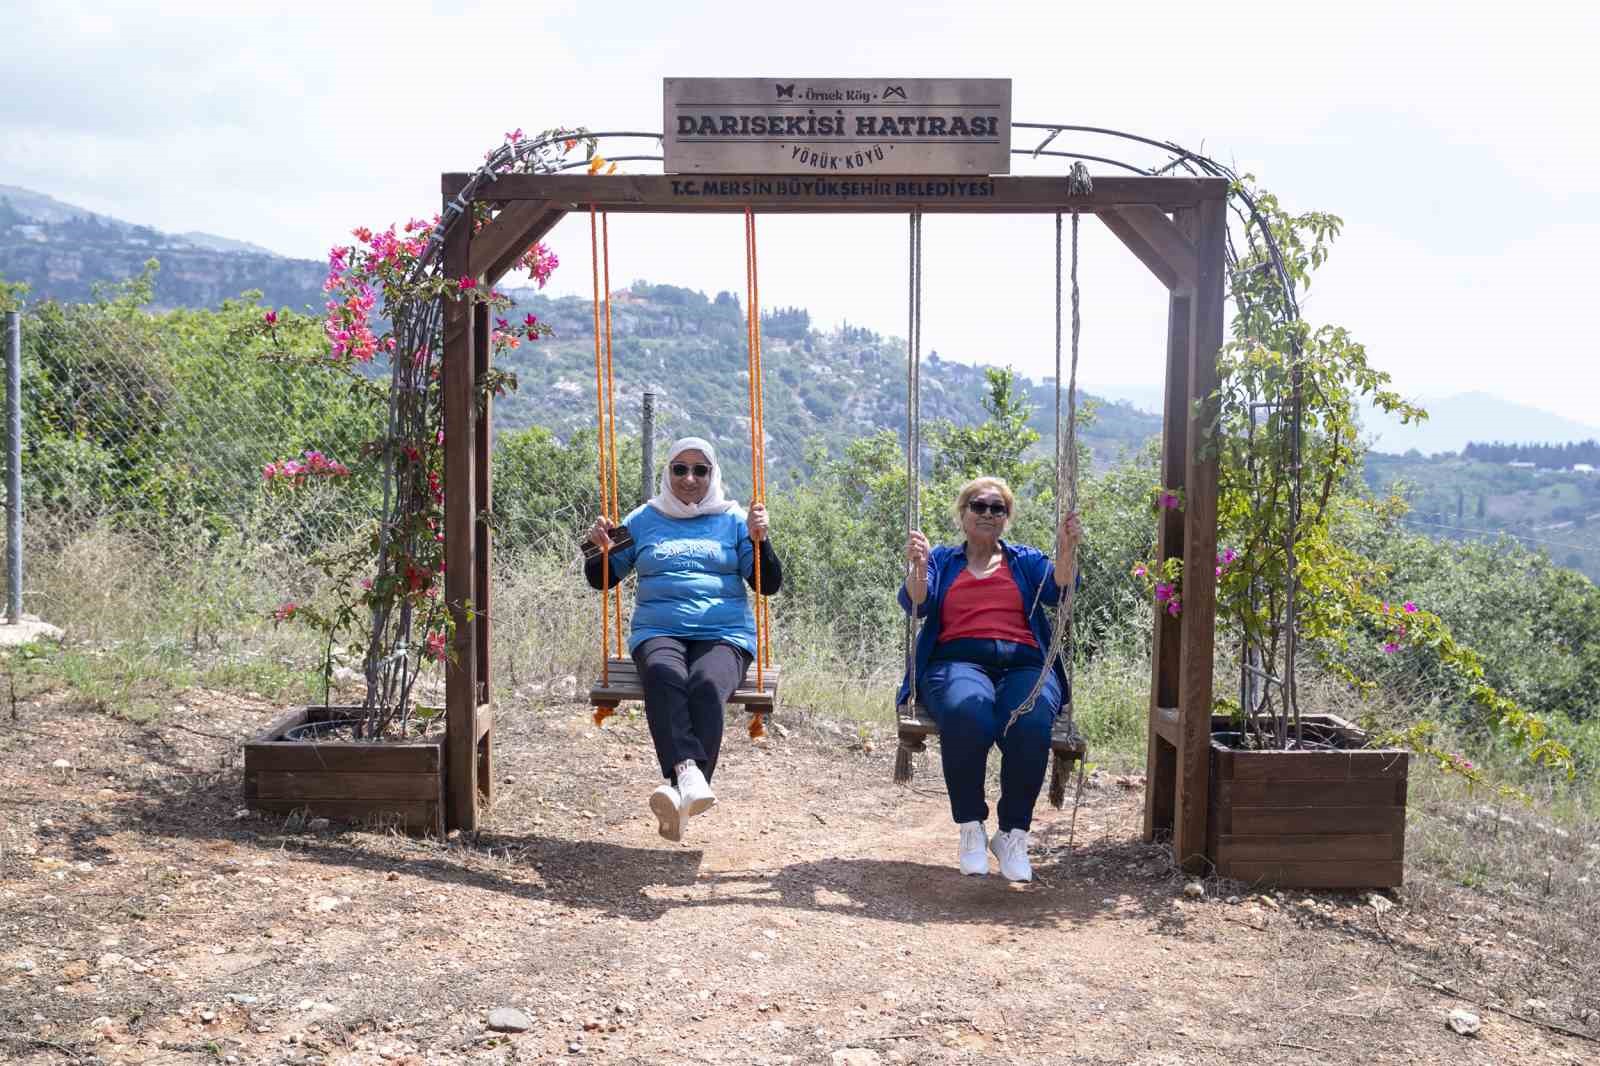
{"points": [[1452, 137]]}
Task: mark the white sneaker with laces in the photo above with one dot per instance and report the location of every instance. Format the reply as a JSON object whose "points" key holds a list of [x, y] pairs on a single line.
{"points": [[974, 857], [665, 804], [695, 792], [1011, 848]]}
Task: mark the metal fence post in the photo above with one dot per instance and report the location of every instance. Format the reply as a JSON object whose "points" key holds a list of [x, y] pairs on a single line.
{"points": [[14, 466], [647, 445]]}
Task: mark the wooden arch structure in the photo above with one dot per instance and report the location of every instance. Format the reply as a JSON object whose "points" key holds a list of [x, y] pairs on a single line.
{"points": [[1175, 225]]}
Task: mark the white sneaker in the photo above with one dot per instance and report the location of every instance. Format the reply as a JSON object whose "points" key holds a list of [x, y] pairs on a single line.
{"points": [[695, 793], [665, 804], [974, 859], [1011, 848]]}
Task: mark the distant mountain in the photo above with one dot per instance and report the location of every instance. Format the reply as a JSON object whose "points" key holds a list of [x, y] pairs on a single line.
{"points": [[63, 251], [1453, 421], [690, 350]]}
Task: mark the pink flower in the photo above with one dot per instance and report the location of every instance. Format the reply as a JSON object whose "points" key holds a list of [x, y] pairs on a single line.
{"points": [[1163, 592], [1173, 608], [1139, 570], [270, 318], [436, 647], [1409, 607], [284, 612], [466, 283], [1390, 647]]}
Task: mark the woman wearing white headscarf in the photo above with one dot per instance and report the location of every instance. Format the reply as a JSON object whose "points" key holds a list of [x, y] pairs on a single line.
{"points": [[693, 633]]}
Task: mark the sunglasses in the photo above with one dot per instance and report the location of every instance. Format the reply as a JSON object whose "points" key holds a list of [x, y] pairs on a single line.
{"points": [[682, 470], [994, 507]]}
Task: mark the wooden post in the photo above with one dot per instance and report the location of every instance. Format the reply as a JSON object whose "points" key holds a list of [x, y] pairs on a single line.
{"points": [[460, 531], [1199, 541], [1161, 764], [482, 502]]}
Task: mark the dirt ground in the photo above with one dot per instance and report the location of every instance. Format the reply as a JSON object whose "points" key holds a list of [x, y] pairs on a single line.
{"points": [[814, 916]]}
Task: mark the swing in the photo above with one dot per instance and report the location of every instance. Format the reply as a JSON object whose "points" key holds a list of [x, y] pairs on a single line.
{"points": [[1067, 746], [619, 676]]}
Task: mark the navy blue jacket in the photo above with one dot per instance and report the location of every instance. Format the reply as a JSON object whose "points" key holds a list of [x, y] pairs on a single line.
{"points": [[1030, 569]]}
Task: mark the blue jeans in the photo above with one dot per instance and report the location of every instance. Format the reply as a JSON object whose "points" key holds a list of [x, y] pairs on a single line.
{"points": [[971, 687]]}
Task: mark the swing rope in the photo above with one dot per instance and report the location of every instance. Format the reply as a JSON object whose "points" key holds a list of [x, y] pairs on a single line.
{"points": [[602, 463], [1078, 184], [611, 414], [909, 745], [758, 446]]}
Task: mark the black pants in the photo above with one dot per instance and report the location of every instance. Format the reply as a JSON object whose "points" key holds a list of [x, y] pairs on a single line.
{"points": [[686, 684]]}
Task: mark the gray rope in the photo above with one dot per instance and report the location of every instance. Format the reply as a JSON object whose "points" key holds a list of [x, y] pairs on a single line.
{"points": [[1066, 466], [913, 436]]}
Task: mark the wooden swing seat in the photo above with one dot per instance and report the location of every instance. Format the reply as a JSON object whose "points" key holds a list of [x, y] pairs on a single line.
{"points": [[1065, 740], [622, 683]]}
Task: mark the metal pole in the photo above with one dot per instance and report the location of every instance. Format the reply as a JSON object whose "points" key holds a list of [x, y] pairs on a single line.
{"points": [[647, 444], [14, 466]]}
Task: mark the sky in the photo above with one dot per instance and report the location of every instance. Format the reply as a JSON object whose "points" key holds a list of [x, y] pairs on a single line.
{"points": [[1453, 139]]}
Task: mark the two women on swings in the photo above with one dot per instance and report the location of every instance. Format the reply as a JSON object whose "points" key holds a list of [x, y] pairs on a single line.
{"points": [[980, 651]]}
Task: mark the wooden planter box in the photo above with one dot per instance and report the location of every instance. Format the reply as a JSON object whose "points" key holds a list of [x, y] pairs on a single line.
{"points": [[1308, 819], [389, 782]]}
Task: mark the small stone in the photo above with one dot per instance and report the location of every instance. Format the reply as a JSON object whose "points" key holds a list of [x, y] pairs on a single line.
{"points": [[317, 825], [509, 1020], [1464, 1022], [25, 965], [1233, 899], [244, 999], [1267, 902], [1535, 1006], [100, 1022], [1194, 890], [855, 1056], [1379, 903], [61, 764], [326, 903], [391, 876], [208, 1015], [624, 1007]]}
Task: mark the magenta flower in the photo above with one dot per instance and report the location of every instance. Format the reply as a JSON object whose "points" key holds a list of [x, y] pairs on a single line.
{"points": [[1163, 592], [1390, 647], [1173, 608], [270, 318], [466, 283], [1139, 570], [1409, 607], [1166, 500]]}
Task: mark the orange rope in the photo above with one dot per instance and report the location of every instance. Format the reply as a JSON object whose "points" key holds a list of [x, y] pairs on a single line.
{"points": [[762, 603], [611, 410], [753, 328], [600, 444]]}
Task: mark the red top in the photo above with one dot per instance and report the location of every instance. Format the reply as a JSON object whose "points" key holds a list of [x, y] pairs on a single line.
{"points": [[987, 608]]}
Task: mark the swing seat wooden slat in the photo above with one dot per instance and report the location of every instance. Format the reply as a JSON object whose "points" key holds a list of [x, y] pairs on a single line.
{"points": [[1064, 738], [622, 683]]}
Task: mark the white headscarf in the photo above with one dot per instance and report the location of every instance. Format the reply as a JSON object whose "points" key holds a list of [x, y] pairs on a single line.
{"points": [[712, 502]]}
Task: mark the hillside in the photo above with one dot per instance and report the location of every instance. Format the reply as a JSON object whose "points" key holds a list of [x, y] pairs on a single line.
{"points": [[690, 351], [62, 252], [1466, 499]]}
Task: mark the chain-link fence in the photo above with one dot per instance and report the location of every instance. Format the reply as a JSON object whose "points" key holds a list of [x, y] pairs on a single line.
{"points": [[180, 428]]}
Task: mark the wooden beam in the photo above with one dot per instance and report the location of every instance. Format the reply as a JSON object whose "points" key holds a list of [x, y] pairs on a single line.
{"points": [[1156, 241], [1200, 543], [460, 523], [838, 193], [545, 224], [505, 234]]}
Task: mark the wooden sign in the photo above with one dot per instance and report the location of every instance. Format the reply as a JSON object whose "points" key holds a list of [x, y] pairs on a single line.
{"points": [[837, 127]]}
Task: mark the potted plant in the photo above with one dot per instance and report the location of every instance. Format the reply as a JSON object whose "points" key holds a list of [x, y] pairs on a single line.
{"points": [[1298, 796], [385, 757]]}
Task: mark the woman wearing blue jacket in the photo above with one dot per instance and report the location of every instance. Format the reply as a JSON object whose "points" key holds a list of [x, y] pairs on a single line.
{"points": [[693, 633], [978, 656]]}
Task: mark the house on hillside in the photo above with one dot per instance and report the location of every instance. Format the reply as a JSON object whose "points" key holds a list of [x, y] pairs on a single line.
{"points": [[1519, 464], [1583, 468]]}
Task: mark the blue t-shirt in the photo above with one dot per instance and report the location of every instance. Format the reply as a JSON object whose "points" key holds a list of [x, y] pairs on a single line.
{"points": [[691, 577]]}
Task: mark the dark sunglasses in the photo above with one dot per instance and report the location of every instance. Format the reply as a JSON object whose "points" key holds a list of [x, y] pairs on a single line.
{"points": [[995, 507], [682, 469]]}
